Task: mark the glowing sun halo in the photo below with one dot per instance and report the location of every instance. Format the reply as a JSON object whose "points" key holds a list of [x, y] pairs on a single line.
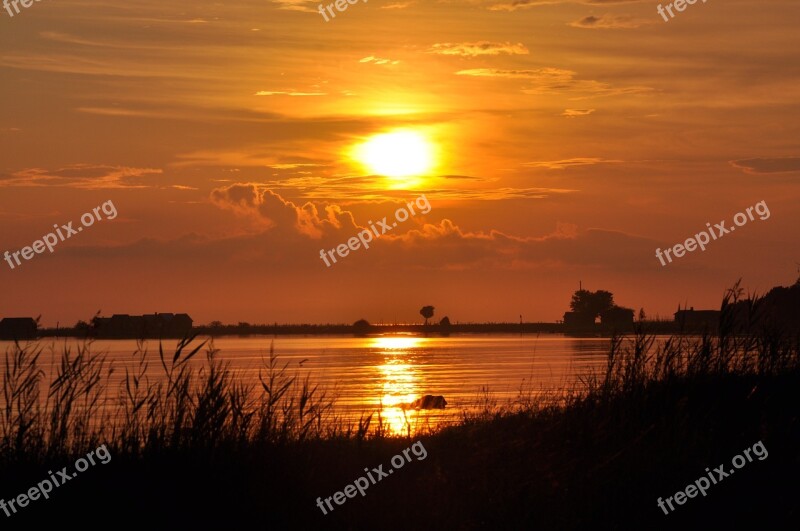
{"points": [[397, 154]]}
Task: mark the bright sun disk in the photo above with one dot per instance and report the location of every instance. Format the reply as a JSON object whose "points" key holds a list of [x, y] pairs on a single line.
{"points": [[397, 154]]}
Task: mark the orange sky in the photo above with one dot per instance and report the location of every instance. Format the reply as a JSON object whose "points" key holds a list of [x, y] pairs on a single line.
{"points": [[572, 139]]}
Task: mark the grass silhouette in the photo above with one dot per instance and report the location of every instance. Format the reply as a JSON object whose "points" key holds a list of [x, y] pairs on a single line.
{"points": [[196, 447]]}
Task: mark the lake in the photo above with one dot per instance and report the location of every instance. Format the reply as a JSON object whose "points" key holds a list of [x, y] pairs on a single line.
{"points": [[381, 373]]}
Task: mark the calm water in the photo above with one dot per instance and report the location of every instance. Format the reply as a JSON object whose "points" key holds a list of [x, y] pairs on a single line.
{"points": [[364, 373]]}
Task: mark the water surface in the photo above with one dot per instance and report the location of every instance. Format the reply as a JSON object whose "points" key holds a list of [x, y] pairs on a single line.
{"points": [[380, 374]]}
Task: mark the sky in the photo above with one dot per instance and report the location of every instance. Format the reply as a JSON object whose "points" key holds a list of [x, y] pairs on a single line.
{"points": [[556, 142]]}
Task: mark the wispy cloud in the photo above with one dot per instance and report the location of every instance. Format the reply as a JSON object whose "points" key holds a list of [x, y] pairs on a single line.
{"points": [[768, 165], [515, 5], [539, 73], [378, 61], [398, 5], [610, 22], [570, 163], [82, 176], [291, 93], [474, 49], [572, 113], [555, 80], [295, 5]]}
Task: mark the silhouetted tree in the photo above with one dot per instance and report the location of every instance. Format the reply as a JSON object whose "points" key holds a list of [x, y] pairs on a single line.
{"points": [[427, 313], [361, 327], [82, 328], [591, 303]]}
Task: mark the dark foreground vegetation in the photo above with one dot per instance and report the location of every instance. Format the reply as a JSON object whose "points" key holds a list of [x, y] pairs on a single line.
{"points": [[197, 450]]}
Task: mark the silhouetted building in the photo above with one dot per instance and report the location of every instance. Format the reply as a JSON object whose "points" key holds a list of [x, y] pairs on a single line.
{"points": [[18, 328], [445, 326], [617, 317], [697, 319], [155, 325], [578, 320]]}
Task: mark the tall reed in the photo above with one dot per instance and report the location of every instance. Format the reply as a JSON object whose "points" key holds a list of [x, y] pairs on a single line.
{"points": [[189, 405], [179, 402]]}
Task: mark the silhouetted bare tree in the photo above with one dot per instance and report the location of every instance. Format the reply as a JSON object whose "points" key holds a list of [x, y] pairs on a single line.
{"points": [[427, 313]]}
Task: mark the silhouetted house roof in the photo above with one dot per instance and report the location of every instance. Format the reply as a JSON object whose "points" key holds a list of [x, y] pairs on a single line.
{"points": [[692, 318], [183, 319], [18, 328], [617, 317], [154, 325]]}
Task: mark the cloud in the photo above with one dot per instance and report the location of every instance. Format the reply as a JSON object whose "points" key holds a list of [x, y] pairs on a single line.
{"points": [[257, 156], [515, 5], [82, 176], [555, 80], [609, 22], [295, 5], [115, 111], [372, 188], [293, 235], [552, 73], [286, 221], [499, 194], [474, 49], [378, 61], [309, 6], [292, 166], [271, 210], [572, 113], [768, 165], [291, 93], [397, 5], [569, 163]]}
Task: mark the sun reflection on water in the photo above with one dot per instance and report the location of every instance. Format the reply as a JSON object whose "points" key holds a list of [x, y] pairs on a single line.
{"points": [[400, 380], [397, 342]]}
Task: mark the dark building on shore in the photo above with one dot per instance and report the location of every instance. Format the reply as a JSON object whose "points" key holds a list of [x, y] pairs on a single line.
{"points": [[617, 318], [18, 328], [614, 318], [697, 319], [578, 320], [156, 325]]}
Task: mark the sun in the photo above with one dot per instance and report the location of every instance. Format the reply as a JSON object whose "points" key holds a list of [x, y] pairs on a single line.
{"points": [[398, 154]]}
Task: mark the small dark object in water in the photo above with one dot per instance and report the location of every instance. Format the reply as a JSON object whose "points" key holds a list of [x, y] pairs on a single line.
{"points": [[429, 402]]}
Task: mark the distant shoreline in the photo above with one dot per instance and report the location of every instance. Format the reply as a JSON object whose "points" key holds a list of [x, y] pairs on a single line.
{"points": [[659, 327]]}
